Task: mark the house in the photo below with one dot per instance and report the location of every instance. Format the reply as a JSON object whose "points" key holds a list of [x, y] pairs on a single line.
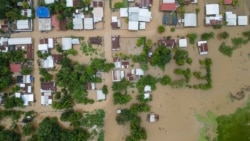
{"points": [[46, 98], [123, 12], [115, 22], [26, 12], [133, 25], [57, 58], [48, 86], [72, 3], [190, 20], [231, 19], [43, 48], [117, 62], [95, 40], [27, 98], [3, 44], [42, 12], [29, 51], [49, 1], [147, 90], [90, 86], [146, 3], [88, 23], [117, 75], [212, 9], [100, 95], [170, 6], [97, 10], [19, 41], [167, 42], [115, 42], [23, 79], [125, 64], [23, 25], [47, 63], [152, 117], [77, 23], [66, 43], [242, 20], [183, 42], [228, 2], [4, 25], [15, 68], [170, 19], [44, 20], [50, 42], [203, 48], [137, 72], [213, 20], [55, 22], [142, 25]]}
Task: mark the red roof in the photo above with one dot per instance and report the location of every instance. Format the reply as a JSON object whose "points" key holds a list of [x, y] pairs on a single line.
{"points": [[228, 1], [15, 68], [203, 47], [168, 6]]}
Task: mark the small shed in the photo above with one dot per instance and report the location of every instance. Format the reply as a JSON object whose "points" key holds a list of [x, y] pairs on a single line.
{"points": [[66, 43], [242, 20], [88, 23], [123, 12], [183, 42], [100, 95], [231, 19], [203, 48], [212, 9], [153, 117], [190, 20]]}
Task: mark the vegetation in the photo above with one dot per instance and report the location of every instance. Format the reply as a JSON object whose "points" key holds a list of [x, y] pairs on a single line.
{"points": [[161, 29], [166, 80], [231, 127], [122, 4], [124, 117], [94, 118], [226, 50], [28, 129], [26, 70], [119, 98], [65, 102], [186, 73], [192, 37], [121, 85], [5, 77], [105, 89], [146, 80], [143, 58], [140, 41], [45, 75], [172, 29], [87, 49], [207, 36], [9, 135], [223, 35], [161, 57], [13, 114], [180, 57], [11, 102]]}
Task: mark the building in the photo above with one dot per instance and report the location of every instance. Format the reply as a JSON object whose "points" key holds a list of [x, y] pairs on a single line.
{"points": [[47, 63], [168, 5], [190, 20], [117, 75], [183, 42], [212, 9], [242, 20], [100, 95], [42, 12], [27, 98], [46, 98], [167, 42], [23, 25], [153, 117], [15, 68], [231, 19], [57, 58], [19, 41], [48, 86], [203, 48], [213, 16], [49, 1], [77, 23], [44, 20], [146, 3], [115, 42], [117, 62], [95, 40], [115, 22], [89, 23], [66, 43], [228, 2], [97, 10]]}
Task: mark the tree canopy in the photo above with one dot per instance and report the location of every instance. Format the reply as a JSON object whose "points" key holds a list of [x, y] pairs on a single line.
{"points": [[161, 57]]}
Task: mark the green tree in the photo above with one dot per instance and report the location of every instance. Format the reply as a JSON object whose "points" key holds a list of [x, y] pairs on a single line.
{"points": [[166, 80], [13, 14], [121, 85], [207, 36], [28, 129], [26, 70], [180, 57], [161, 29], [105, 89], [192, 37], [9, 135], [161, 57], [49, 130], [12, 102], [124, 116], [119, 98]]}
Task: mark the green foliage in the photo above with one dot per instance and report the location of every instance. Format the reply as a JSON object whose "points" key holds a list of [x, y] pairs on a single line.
{"points": [[161, 57], [217, 26], [5, 77], [189, 60], [45, 75], [11, 102], [140, 41], [101, 136], [69, 25], [186, 73], [207, 62], [13, 14], [121, 85], [101, 65], [71, 116], [42, 55], [122, 4], [207, 36], [119, 98], [234, 126], [197, 75], [223, 35], [226, 50], [58, 95], [13, 114], [28, 129], [9, 135], [72, 52], [237, 42], [105, 89], [87, 49], [142, 58], [161, 29], [124, 117], [26, 70], [197, 10], [172, 29], [192, 37], [139, 107], [59, 48], [146, 80], [246, 34], [65, 103], [166, 80], [180, 57], [94, 118]]}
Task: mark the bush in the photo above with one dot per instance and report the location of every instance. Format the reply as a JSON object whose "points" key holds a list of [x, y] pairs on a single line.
{"points": [[119, 5], [189, 61], [181, 57], [223, 35], [192, 37], [119, 98], [226, 50], [207, 36], [217, 26], [172, 29], [12, 102], [124, 116], [165, 80], [161, 29], [140, 41], [28, 129], [105, 89]]}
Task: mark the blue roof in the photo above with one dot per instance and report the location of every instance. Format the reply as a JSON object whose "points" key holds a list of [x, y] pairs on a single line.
{"points": [[42, 12], [165, 19]]}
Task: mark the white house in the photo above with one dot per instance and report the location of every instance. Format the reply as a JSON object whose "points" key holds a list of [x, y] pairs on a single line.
{"points": [[118, 75], [203, 48], [88, 23], [47, 63], [46, 98], [100, 95], [231, 19], [20, 41], [183, 42], [66, 43], [190, 19], [242, 20]]}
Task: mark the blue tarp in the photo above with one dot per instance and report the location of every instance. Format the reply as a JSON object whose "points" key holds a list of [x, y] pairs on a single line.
{"points": [[165, 19], [42, 12], [175, 20]]}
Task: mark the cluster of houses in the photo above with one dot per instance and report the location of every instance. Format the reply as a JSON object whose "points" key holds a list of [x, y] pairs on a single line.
{"points": [[137, 16], [24, 82], [80, 20]]}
